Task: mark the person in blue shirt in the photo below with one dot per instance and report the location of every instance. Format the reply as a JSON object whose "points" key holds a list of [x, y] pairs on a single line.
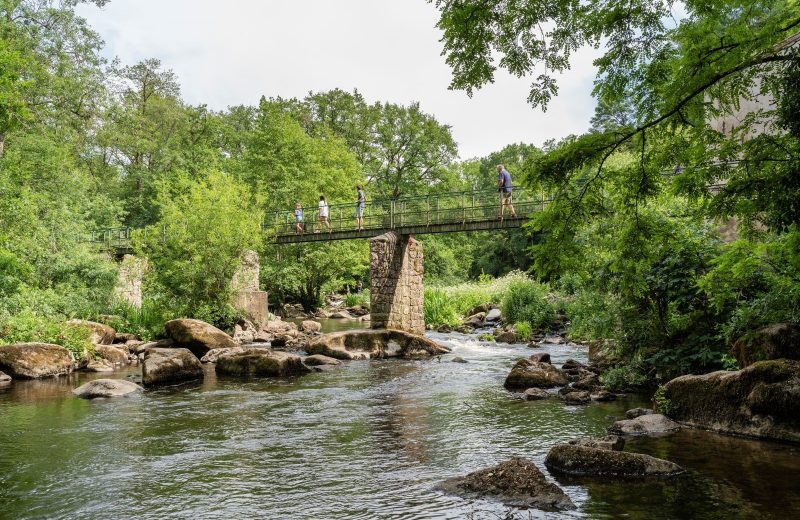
{"points": [[504, 187], [298, 219]]}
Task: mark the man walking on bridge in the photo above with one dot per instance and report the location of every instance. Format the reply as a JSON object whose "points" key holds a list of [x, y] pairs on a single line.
{"points": [[504, 187]]}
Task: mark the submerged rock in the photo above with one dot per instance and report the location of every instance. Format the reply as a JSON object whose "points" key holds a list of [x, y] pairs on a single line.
{"points": [[583, 461], [100, 333], [374, 343], [644, 425], [517, 482], [762, 400], [107, 388], [536, 394], [319, 359], [170, 365], [530, 374], [777, 341], [35, 360], [458, 359], [197, 336], [633, 413], [609, 442], [261, 362]]}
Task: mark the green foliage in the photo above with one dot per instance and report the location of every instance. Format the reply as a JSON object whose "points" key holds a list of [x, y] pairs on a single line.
{"points": [[525, 300], [357, 299], [195, 247], [146, 321], [524, 330], [662, 402], [624, 378], [29, 327], [594, 314], [439, 308]]}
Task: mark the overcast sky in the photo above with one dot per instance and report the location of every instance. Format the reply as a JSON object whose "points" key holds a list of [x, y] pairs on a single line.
{"points": [[232, 52]]}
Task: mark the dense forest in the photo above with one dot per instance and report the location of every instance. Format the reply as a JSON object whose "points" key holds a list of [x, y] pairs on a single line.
{"points": [[631, 250]]}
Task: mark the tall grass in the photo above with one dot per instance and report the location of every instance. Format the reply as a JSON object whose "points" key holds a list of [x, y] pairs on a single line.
{"points": [[358, 299], [146, 322], [525, 300]]}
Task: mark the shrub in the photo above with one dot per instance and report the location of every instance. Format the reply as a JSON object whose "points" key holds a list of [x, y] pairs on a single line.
{"points": [[593, 315], [29, 327], [146, 321], [526, 300], [624, 377], [524, 330], [439, 308], [358, 299]]}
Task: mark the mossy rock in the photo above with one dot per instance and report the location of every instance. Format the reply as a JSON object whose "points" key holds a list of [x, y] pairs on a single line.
{"points": [[584, 461], [762, 400], [777, 341]]}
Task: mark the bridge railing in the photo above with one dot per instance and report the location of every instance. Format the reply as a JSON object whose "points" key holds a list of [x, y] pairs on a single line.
{"points": [[435, 209], [111, 239]]}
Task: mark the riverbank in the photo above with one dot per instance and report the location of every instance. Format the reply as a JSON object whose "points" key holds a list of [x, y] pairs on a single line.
{"points": [[377, 436]]}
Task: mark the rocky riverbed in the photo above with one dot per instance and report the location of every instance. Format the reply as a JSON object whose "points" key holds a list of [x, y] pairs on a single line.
{"points": [[378, 436]]}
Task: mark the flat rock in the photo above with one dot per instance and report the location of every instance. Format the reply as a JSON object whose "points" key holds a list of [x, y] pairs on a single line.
{"points": [[762, 400], [582, 461], [375, 343], [529, 374], [319, 359], [197, 336], [633, 413], [536, 394], [609, 442], [213, 355], [107, 388], [644, 425], [517, 483], [100, 333], [170, 365], [35, 360], [261, 362]]}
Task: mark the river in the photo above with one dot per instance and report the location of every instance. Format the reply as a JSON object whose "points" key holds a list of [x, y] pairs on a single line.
{"points": [[368, 439]]}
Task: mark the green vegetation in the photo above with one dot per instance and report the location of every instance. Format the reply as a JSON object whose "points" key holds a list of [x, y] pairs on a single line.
{"points": [[28, 327], [357, 299]]}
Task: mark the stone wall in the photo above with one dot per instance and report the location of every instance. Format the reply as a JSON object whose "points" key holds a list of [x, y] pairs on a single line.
{"points": [[246, 294], [129, 284], [396, 269]]}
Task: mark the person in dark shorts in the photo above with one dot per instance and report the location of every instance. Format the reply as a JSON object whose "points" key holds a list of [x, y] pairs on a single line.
{"points": [[298, 219], [504, 187]]}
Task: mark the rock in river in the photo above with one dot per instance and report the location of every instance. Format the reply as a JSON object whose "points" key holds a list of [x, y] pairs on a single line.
{"points": [[170, 365], [762, 400], [633, 413], [777, 341], [530, 374], [536, 394], [4, 378], [213, 355], [107, 388], [516, 482], [114, 355], [197, 336], [374, 343], [100, 333], [261, 362], [609, 442], [644, 425], [582, 461], [35, 360], [319, 359], [309, 326]]}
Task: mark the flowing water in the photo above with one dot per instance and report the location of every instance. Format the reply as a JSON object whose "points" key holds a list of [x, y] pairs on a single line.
{"points": [[368, 439]]}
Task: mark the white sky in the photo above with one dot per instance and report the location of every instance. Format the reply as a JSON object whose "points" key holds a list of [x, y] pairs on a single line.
{"points": [[232, 52]]}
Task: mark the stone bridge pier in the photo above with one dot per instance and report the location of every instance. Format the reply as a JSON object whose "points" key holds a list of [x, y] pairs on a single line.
{"points": [[396, 290]]}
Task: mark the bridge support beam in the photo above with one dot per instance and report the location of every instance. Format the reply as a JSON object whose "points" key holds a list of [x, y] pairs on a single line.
{"points": [[129, 280], [396, 269]]}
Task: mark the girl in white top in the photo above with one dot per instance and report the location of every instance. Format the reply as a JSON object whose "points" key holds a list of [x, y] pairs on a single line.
{"points": [[323, 213]]}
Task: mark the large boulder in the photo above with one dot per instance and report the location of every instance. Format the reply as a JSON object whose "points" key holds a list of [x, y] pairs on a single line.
{"points": [[107, 388], [115, 355], [530, 374], [584, 461], [309, 326], [778, 341], [517, 483], [197, 336], [261, 362], [762, 400], [651, 424], [100, 333], [375, 343], [35, 360], [170, 365]]}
